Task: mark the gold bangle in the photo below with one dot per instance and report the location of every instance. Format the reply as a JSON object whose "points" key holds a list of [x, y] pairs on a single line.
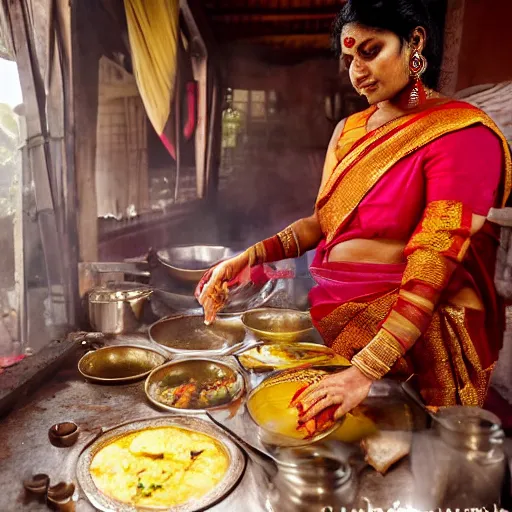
{"points": [[296, 241], [377, 358], [257, 254], [289, 242]]}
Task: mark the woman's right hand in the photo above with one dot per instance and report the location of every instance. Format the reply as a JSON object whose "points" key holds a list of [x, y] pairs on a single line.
{"points": [[213, 288]]}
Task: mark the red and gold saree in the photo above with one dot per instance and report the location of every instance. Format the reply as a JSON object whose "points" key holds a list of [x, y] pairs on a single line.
{"points": [[417, 179]]}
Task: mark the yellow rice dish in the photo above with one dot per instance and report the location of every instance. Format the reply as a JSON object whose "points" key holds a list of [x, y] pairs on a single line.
{"points": [[159, 467]]}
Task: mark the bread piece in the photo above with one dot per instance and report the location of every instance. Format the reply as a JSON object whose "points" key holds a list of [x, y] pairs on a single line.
{"points": [[386, 447]]}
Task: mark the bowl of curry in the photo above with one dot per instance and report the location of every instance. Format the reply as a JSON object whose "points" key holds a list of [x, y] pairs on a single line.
{"points": [[194, 385]]}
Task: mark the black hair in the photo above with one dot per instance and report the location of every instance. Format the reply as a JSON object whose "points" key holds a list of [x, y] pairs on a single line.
{"points": [[398, 16]]}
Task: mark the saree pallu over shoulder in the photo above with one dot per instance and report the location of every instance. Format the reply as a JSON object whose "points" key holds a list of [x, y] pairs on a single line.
{"points": [[368, 159]]}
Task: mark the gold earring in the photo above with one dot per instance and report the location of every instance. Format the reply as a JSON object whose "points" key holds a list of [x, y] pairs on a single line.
{"points": [[416, 94]]}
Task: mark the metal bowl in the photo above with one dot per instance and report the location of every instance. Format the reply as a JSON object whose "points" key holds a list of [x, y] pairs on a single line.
{"points": [[204, 372], [231, 478], [119, 363], [269, 407], [188, 335], [278, 325], [189, 262]]}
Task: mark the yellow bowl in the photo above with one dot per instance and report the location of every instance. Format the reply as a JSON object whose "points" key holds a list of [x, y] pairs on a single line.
{"points": [[278, 325], [269, 407]]}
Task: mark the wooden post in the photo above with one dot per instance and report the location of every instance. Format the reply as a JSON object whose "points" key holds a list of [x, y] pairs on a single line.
{"points": [[207, 73], [85, 61]]}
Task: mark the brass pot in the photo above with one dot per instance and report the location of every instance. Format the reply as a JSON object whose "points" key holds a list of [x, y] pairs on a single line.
{"points": [[117, 308]]}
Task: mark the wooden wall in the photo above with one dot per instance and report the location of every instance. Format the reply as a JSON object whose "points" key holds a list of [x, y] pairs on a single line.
{"points": [[486, 45]]}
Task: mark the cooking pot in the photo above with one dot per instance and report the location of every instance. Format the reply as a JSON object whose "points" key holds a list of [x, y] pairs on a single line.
{"points": [[117, 308]]}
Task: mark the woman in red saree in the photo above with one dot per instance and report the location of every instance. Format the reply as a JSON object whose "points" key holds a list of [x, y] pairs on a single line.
{"points": [[405, 258]]}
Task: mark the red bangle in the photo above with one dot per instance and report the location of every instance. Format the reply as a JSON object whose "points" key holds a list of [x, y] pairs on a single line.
{"points": [[273, 249]]}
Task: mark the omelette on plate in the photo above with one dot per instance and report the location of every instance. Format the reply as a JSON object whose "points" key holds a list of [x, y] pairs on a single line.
{"points": [[159, 467]]}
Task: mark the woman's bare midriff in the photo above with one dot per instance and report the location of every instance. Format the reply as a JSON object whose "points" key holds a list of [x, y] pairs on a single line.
{"points": [[360, 250]]}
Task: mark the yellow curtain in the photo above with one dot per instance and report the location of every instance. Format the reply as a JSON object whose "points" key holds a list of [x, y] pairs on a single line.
{"points": [[153, 28]]}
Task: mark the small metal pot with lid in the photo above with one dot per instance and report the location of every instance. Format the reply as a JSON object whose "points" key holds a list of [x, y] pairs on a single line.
{"points": [[118, 307], [460, 462], [313, 478]]}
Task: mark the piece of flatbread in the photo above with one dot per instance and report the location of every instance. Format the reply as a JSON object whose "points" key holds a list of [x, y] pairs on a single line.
{"points": [[386, 447]]}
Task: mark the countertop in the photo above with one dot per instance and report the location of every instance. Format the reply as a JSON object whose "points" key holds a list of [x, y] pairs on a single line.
{"points": [[25, 449]]}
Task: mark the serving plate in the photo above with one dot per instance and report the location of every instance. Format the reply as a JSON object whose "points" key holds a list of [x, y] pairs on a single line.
{"points": [[287, 355], [105, 503]]}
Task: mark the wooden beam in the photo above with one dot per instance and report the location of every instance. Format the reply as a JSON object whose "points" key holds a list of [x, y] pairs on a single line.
{"points": [[86, 54], [272, 17], [311, 41], [235, 31], [330, 10], [207, 71]]}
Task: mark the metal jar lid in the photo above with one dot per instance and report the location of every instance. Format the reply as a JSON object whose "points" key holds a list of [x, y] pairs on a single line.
{"points": [[468, 427], [119, 292]]}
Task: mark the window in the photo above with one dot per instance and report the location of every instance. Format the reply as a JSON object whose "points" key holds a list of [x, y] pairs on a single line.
{"points": [[10, 206]]}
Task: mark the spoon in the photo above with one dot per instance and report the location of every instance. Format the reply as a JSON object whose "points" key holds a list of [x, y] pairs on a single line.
{"points": [[411, 393], [239, 350]]}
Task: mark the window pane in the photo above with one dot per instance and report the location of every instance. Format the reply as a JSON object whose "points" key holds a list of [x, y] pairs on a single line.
{"points": [[258, 96], [10, 177], [240, 95], [258, 110]]}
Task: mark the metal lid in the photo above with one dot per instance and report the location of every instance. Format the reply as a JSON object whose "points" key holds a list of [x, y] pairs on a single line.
{"points": [[469, 420], [119, 292], [469, 427]]}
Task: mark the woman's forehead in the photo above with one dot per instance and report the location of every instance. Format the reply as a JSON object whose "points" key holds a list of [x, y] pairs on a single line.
{"points": [[359, 32]]}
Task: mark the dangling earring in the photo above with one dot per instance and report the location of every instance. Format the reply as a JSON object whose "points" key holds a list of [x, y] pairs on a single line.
{"points": [[415, 91]]}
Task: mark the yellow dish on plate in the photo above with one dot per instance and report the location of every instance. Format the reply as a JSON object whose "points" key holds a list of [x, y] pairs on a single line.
{"points": [[282, 356], [159, 467], [268, 406]]}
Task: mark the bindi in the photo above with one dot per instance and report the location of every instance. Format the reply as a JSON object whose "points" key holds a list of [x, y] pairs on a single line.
{"points": [[349, 42]]}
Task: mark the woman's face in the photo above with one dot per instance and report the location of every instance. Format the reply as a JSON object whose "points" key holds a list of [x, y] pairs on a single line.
{"points": [[377, 61]]}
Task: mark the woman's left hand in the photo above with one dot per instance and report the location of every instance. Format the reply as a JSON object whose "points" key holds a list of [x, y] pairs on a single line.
{"points": [[346, 389]]}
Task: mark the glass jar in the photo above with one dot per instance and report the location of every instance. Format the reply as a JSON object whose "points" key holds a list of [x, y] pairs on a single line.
{"points": [[460, 462]]}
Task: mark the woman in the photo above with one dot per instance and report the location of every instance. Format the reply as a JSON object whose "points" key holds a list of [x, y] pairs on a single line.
{"points": [[404, 259]]}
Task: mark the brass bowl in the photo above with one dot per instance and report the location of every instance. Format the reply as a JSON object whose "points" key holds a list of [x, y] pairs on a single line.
{"points": [[203, 371], [105, 503], [269, 407], [278, 325], [119, 363]]}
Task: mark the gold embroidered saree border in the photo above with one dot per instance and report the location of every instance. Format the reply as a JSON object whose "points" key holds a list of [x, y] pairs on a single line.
{"points": [[369, 161]]}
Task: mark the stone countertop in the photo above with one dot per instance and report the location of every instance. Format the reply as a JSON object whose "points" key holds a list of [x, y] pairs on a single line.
{"points": [[26, 450]]}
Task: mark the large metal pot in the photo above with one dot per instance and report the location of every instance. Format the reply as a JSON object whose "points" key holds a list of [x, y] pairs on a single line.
{"points": [[117, 308]]}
